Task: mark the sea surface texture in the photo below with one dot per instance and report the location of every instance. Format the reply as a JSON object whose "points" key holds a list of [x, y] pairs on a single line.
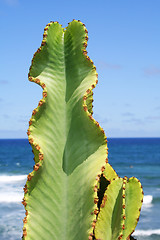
{"points": [[139, 157]]}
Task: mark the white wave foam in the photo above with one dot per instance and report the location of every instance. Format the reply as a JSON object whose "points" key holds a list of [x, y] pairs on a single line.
{"points": [[11, 197], [11, 188], [147, 232], [147, 199], [10, 193], [14, 178]]}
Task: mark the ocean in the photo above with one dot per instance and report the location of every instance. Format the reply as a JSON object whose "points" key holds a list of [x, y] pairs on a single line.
{"points": [[139, 157]]}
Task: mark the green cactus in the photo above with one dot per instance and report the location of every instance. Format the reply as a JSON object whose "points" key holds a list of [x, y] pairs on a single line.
{"points": [[119, 210], [63, 195]]}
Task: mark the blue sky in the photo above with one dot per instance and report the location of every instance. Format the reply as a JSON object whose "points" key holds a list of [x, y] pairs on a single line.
{"points": [[124, 43]]}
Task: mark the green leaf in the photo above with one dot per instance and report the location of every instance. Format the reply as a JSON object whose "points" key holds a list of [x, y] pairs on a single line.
{"points": [[69, 146]]}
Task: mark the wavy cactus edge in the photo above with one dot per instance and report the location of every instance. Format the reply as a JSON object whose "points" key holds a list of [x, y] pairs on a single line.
{"points": [[39, 153], [103, 205], [35, 146]]}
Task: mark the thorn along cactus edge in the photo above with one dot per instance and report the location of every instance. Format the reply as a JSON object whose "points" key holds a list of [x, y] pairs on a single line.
{"points": [[73, 192]]}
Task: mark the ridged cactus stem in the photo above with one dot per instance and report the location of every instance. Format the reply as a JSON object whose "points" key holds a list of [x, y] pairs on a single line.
{"points": [[72, 192], [69, 146], [120, 209]]}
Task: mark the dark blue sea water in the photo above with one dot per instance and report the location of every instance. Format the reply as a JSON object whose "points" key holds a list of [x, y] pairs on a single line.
{"points": [[139, 157]]}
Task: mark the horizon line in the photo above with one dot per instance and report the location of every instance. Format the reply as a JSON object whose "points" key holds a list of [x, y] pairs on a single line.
{"points": [[107, 138]]}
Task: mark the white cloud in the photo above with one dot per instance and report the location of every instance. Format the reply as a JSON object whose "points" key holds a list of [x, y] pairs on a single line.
{"points": [[12, 134], [3, 82], [127, 114], [105, 65], [117, 132], [11, 2], [152, 71], [153, 118], [157, 108], [135, 120]]}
